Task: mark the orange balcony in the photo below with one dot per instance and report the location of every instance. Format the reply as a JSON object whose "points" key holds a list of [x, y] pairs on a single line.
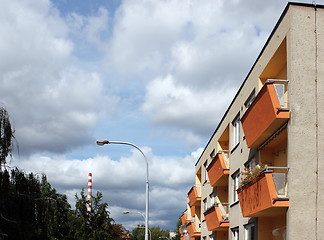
{"points": [[192, 230], [194, 210], [218, 170], [181, 231], [265, 197], [184, 219], [194, 196], [216, 218], [264, 117]]}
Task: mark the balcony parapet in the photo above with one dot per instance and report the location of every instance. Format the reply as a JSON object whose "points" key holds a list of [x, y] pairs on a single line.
{"points": [[194, 196], [264, 116], [184, 218], [217, 217], [267, 196], [193, 229], [218, 170]]}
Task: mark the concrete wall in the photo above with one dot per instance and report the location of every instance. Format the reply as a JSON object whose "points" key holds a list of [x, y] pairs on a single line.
{"points": [[320, 121], [302, 154]]}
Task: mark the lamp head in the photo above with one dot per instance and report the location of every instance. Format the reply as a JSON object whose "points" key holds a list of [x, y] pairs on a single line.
{"points": [[102, 142]]}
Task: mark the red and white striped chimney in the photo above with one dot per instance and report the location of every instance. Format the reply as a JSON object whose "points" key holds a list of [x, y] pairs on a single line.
{"points": [[89, 191]]}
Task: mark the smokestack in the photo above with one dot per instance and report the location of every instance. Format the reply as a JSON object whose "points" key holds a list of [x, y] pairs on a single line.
{"points": [[89, 191]]}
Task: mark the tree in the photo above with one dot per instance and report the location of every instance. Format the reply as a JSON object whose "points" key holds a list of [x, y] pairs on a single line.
{"points": [[177, 232], [121, 231], [155, 233], [30, 209], [91, 225], [6, 135]]}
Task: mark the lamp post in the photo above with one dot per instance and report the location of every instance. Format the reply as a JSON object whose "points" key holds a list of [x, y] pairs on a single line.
{"points": [[102, 142], [127, 212]]}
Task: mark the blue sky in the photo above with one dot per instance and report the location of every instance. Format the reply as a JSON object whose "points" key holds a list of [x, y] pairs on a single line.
{"points": [[159, 74]]}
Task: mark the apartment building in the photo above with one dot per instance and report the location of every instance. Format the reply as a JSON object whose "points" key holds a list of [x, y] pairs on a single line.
{"points": [[261, 174]]}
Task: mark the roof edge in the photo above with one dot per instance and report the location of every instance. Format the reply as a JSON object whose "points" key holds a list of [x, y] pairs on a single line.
{"points": [[255, 62]]}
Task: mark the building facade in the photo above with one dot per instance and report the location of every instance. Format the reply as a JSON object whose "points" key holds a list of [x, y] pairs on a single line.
{"points": [[260, 175]]}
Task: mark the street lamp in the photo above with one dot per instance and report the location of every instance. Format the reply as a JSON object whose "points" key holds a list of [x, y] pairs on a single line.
{"points": [[135, 212], [102, 142], [128, 212]]}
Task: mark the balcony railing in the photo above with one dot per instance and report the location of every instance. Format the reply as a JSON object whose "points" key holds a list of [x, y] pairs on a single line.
{"points": [[217, 217], [267, 196], [194, 196], [218, 170], [265, 116]]}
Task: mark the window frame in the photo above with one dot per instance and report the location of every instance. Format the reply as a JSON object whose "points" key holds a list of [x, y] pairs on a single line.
{"points": [[205, 171], [250, 100], [236, 134], [247, 231], [235, 233], [212, 199], [251, 163], [205, 204], [236, 181]]}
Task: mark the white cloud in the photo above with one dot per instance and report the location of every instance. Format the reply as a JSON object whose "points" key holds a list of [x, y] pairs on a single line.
{"points": [[192, 55], [169, 103], [53, 103], [123, 182]]}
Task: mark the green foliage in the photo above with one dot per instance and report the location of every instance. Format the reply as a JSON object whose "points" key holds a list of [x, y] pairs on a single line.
{"points": [[6, 135], [91, 225], [177, 232], [250, 175], [29, 208], [155, 233]]}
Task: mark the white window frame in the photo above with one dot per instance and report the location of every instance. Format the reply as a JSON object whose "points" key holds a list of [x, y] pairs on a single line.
{"points": [[236, 131], [211, 199], [248, 233], [212, 154], [205, 171], [205, 205], [235, 233], [211, 237], [250, 100], [236, 182]]}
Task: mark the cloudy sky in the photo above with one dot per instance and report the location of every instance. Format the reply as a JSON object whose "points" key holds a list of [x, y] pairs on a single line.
{"points": [[159, 74]]}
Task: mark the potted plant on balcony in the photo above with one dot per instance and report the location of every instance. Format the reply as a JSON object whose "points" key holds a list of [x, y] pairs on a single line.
{"points": [[251, 175]]}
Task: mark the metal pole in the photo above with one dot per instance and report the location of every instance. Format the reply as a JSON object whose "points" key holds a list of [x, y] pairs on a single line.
{"points": [[103, 142]]}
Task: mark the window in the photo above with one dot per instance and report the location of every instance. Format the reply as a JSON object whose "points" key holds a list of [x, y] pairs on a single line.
{"points": [[211, 237], [212, 154], [205, 204], [250, 232], [205, 171], [251, 163], [235, 179], [236, 131], [250, 99], [211, 199], [235, 233]]}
